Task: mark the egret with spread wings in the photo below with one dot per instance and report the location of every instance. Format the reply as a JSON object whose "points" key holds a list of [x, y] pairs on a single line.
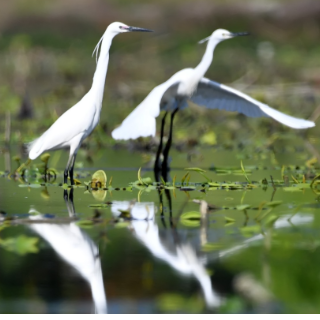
{"points": [[190, 85]]}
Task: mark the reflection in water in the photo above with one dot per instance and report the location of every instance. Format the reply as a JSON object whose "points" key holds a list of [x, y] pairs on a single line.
{"points": [[180, 256], [76, 248], [282, 222]]}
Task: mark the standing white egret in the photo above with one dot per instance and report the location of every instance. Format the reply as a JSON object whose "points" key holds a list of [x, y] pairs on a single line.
{"points": [[80, 120], [190, 84]]}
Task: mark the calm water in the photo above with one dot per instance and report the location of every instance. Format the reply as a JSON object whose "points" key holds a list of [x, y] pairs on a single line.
{"points": [[263, 258]]}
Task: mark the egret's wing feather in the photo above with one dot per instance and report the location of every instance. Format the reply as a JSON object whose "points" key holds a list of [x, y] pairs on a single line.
{"points": [[141, 122], [214, 95], [71, 124]]}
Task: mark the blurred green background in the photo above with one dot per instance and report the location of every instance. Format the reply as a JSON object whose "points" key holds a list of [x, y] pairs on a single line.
{"points": [[46, 64]]}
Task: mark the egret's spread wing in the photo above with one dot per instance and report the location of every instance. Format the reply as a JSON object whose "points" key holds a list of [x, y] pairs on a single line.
{"points": [[141, 122], [213, 95]]}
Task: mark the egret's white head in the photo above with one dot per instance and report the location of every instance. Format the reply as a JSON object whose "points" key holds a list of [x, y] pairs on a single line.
{"points": [[119, 27], [222, 34], [114, 29]]}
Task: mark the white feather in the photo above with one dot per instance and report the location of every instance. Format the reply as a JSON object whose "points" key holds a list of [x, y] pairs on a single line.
{"points": [[213, 95], [141, 122]]}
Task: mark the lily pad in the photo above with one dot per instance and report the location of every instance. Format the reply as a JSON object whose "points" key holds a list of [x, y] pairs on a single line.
{"points": [[21, 244], [99, 179]]}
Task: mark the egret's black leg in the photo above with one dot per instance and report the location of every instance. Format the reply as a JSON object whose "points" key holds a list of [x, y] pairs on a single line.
{"points": [[165, 165], [66, 171], [157, 161], [71, 169]]}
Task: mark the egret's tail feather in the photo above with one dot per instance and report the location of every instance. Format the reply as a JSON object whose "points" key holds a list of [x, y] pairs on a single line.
{"points": [[135, 127]]}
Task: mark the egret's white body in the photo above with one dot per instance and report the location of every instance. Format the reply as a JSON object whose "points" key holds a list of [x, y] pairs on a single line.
{"points": [[79, 121], [181, 256], [190, 84]]}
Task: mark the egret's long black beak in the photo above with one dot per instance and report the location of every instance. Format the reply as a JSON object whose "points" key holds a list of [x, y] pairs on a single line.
{"points": [[136, 29], [239, 34]]}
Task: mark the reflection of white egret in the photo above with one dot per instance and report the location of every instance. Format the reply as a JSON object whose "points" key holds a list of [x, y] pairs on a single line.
{"points": [[78, 122], [282, 222], [76, 248], [181, 257]]}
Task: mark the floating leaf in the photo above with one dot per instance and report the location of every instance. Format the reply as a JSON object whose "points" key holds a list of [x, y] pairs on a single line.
{"points": [[99, 205], [195, 169], [214, 184], [192, 215], [20, 244], [273, 203], [292, 189], [99, 179], [34, 185], [191, 219], [229, 219], [191, 223], [242, 207]]}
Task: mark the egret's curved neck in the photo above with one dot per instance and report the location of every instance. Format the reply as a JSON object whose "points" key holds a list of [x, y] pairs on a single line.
{"points": [[99, 77], [206, 60]]}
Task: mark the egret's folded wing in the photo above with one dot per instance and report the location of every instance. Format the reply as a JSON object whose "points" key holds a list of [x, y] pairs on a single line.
{"points": [[213, 95]]}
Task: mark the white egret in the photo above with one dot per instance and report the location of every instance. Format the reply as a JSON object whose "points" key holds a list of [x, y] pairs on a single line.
{"points": [[190, 84], [79, 121]]}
